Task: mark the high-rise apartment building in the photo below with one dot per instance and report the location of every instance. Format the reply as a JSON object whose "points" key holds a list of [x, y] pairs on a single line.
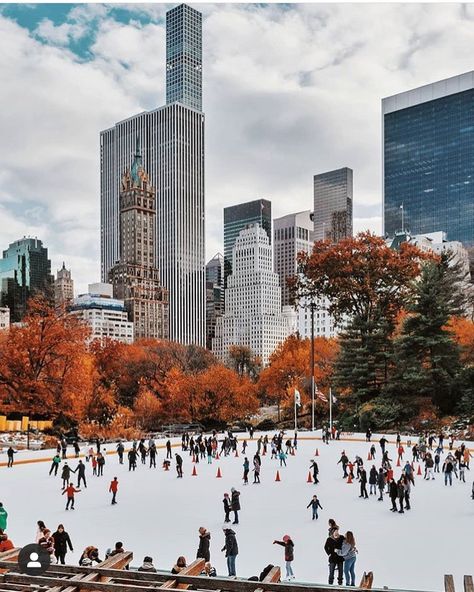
{"points": [[214, 295], [428, 159], [240, 216], [105, 315], [291, 235], [333, 205], [63, 288], [184, 56], [135, 278], [253, 315], [25, 271], [172, 141]]}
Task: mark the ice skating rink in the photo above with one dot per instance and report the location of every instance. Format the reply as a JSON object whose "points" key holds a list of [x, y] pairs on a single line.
{"points": [[159, 515]]}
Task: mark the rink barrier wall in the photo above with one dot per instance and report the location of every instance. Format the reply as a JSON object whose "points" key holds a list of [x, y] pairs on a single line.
{"points": [[27, 461], [64, 578]]}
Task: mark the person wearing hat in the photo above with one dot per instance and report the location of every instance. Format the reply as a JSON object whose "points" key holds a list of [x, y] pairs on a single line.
{"points": [[147, 565], [231, 549], [289, 555], [203, 551]]}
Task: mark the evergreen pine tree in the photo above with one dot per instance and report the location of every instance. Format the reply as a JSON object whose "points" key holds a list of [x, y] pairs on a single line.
{"points": [[426, 357]]}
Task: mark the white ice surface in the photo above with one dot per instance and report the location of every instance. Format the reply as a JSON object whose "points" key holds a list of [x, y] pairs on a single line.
{"points": [[159, 515]]}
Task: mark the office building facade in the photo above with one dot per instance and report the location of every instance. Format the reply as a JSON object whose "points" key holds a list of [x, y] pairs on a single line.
{"points": [[25, 271], [214, 295], [428, 160], [105, 315], [240, 216], [253, 315], [135, 278], [63, 288], [172, 141], [292, 234], [333, 193]]}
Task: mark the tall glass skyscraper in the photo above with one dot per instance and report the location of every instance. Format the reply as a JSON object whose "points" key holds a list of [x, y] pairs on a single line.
{"points": [[428, 159], [238, 217], [172, 141], [25, 270], [333, 205], [184, 56]]}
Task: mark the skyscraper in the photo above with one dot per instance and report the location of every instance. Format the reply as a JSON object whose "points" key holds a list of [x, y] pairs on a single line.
{"points": [[25, 271], [292, 234], [238, 217], [172, 140], [333, 205], [135, 278], [63, 288], [184, 56], [214, 295], [253, 314], [428, 159]]}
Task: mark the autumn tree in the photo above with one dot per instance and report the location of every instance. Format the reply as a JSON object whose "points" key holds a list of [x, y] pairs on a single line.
{"points": [[366, 284], [42, 362], [289, 367], [244, 361]]}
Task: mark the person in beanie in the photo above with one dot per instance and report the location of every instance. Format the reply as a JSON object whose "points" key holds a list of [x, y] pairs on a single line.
{"points": [[113, 489], [231, 550], [61, 543], [289, 555], [147, 565], [203, 551]]}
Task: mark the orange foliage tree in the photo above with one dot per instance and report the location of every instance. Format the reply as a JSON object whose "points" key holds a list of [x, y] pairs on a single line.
{"points": [[289, 368], [462, 330], [42, 362]]}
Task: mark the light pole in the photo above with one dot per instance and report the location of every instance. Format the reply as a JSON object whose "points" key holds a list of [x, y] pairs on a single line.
{"points": [[312, 306]]}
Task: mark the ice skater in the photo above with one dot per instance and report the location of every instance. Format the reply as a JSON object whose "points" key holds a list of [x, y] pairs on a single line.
{"points": [[314, 504], [70, 490], [289, 555], [113, 488]]}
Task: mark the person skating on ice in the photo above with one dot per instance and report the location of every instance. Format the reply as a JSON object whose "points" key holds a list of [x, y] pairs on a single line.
{"points": [[314, 505], [179, 465], [334, 542], [235, 504], [363, 483], [246, 466], [81, 474], [70, 490], [314, 467], [231, 549], [289, 546], [55, 464], [226, 502], [348, 552], [66, 475], [113, 489]]}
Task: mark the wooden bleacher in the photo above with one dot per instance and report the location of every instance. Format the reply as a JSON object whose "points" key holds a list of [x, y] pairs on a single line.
{"points": [[111, 576]]}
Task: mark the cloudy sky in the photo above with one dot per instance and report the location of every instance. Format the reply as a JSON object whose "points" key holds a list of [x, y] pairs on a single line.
{"points": [[290, 90]]}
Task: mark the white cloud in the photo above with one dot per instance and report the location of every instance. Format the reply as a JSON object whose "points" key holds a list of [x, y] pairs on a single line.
{"points": [[289, 92]]}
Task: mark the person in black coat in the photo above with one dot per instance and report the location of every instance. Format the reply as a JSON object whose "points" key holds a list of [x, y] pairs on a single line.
{"points": [[81, 473], [333, 542], [61, 543], [363, 483], [226, 502], [203, 551], [235, 504], [231, 550], [393, 492]]}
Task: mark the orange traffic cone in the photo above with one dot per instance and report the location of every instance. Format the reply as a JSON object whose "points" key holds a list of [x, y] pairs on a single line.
{"points": [[316, 453], [194, 473], [419, 470], [349, 479], [310, 478], [277, 478], [219, 474], [166, 466], [398, 461], [369, 456]]}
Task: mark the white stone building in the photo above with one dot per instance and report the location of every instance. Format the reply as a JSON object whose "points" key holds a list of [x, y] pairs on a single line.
{"points": [[106, 316], [253, 314]]}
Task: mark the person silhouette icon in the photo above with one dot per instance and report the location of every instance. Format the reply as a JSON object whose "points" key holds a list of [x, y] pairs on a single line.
{"points": [[33, 562]]}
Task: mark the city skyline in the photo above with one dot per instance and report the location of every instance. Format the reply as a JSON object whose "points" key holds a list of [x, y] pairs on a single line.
{"points": [[288, 114]]}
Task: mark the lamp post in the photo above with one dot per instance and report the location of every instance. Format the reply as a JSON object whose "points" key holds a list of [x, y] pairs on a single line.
{"points": [[312, 306]]}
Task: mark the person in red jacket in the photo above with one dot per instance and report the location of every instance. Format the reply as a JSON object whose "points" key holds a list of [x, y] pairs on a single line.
{"points": [[70, 490], [113, 489], [5, 543]]}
